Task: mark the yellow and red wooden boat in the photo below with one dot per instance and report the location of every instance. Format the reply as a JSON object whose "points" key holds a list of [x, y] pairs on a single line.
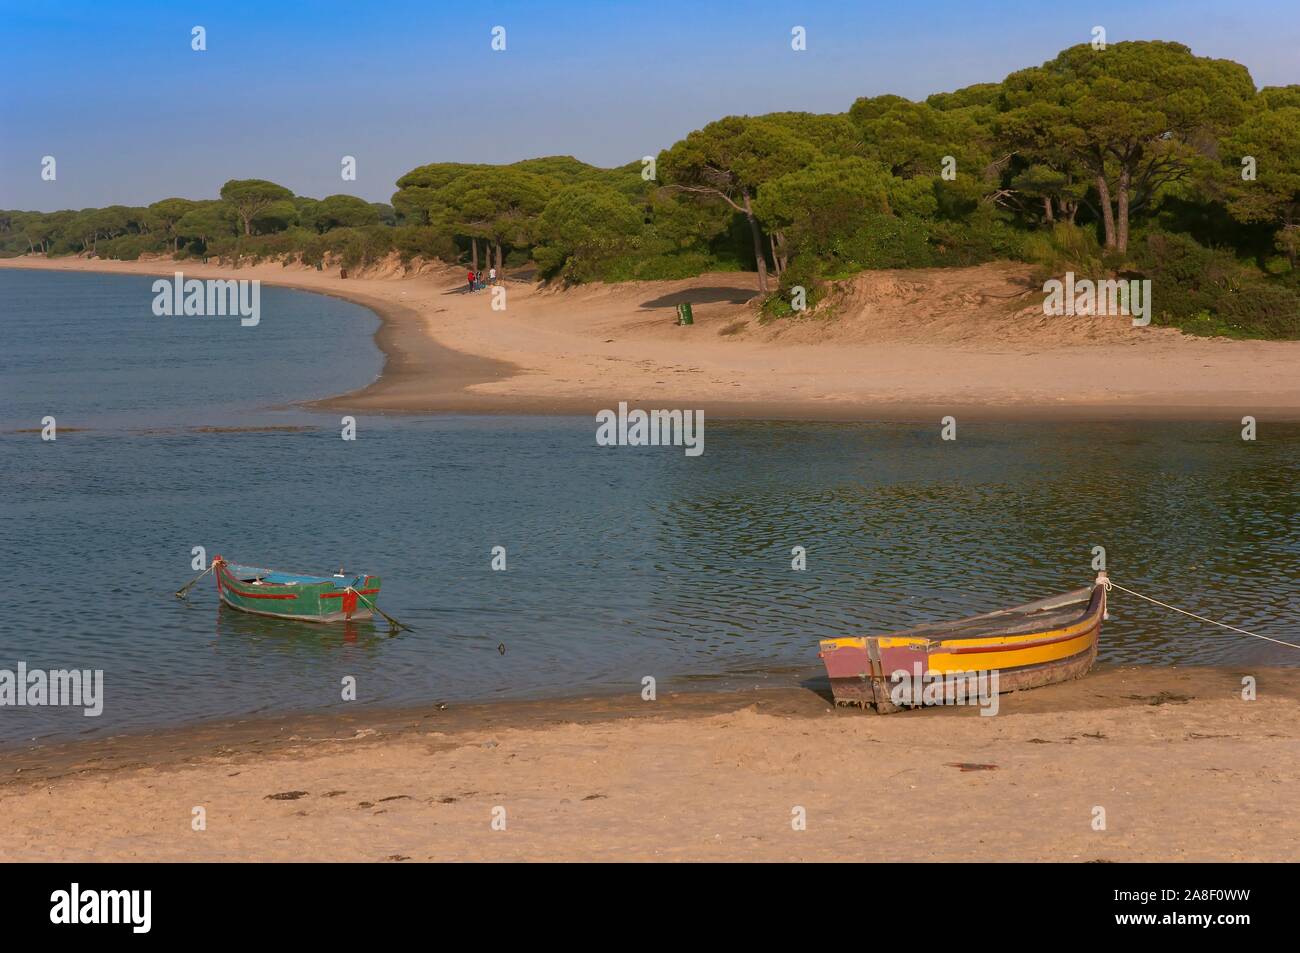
{"points": [[289, 595], [1050, 640]]}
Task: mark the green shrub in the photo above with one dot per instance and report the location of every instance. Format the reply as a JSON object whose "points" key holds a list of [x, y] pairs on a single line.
{"points": [[1260, 309], [1064, 247], [886, 241], [977, 241], [665, 266], [1207, 291], [804, 272]]}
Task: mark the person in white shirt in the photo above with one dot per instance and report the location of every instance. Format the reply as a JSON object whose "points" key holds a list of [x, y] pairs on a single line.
{"points": [[492, 276]]}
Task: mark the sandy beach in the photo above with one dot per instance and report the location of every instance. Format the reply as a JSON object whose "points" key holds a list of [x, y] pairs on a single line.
{"points": [[1183, 768], [916, 344]]}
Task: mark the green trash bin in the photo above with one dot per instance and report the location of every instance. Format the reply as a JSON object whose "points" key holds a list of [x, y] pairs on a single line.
{"points": [[684, 315]]}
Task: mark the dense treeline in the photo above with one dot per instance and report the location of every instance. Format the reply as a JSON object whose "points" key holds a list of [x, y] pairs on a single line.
{"points": [[1139, 160]]}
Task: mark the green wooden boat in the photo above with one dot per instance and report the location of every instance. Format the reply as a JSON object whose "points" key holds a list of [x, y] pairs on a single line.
{"points": [[291, 595]]}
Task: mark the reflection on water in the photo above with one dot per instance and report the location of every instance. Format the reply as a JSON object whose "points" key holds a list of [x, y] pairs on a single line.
{"points": [[621, 562], [291, 635]]}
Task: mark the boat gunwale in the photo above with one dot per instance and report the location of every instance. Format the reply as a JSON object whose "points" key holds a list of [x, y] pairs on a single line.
{"points": [[1067, 629], [330, 582]]}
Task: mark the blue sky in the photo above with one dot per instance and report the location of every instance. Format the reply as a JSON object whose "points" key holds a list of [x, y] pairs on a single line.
{"points": [[132, 114]]}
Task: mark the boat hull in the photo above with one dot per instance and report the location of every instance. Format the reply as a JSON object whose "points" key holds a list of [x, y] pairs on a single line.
{"points": [[310, 599], [339, 616], [1030, 652]]}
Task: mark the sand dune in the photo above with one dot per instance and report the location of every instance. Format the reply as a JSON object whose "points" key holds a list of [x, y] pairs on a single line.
{"points": [[990, 307]]}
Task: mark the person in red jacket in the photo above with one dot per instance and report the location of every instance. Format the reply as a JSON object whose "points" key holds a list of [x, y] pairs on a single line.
{"points": [[471, 281]]}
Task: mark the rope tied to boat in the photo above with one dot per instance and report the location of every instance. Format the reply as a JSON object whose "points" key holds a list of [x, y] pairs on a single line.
{"points": [[391, 621], [1254, 635]]}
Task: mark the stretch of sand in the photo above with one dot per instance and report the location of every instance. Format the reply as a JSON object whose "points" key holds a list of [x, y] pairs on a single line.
{"points": [[1181, 765], [897, 344]]}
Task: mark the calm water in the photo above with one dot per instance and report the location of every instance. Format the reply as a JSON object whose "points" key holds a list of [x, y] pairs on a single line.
{"points": [[89, 350], [621, 562]]}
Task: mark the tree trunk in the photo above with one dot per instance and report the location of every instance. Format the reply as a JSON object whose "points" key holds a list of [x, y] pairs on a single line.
{"points": [[1121, 227], [248, 225], [759, 256], [779, 253], [498, 259], [1047, 209], [1107, 212], [473, 245]]}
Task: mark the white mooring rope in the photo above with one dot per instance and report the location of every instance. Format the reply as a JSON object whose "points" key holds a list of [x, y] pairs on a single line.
{"points": [[1253, 635]]}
